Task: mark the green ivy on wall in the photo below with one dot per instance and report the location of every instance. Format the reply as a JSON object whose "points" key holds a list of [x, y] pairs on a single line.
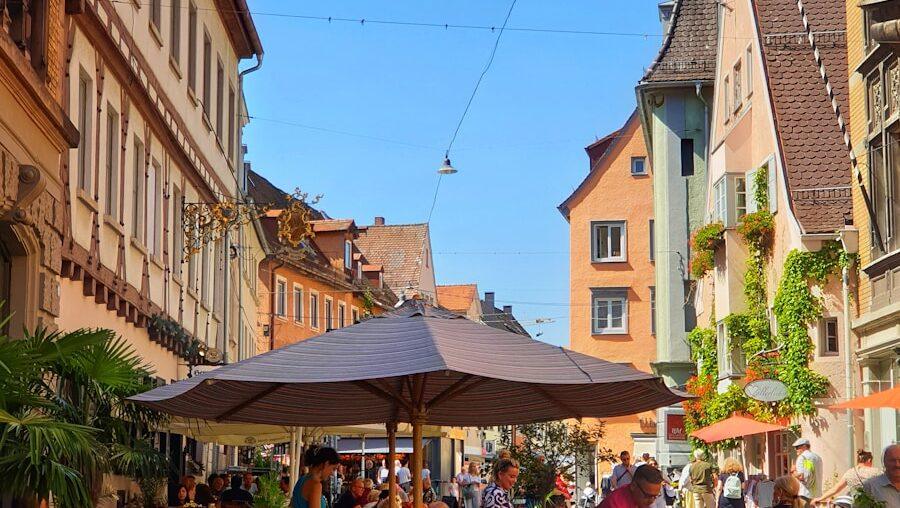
{"points": [[704, 244], [784, 355]]}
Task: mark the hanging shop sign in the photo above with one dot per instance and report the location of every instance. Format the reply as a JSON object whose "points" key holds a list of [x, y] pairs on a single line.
{"points": [[766, 390]]}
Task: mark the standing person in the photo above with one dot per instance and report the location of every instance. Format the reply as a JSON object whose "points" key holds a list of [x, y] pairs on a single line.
{"points": [[307, 492], [642, 492], [426, 473], [452, 497], [702, 481], [853, 478], [668, 491], [732, 484], [470, 483], [382, 473], [786, 495], [645, 459], [428, 494], [684, 484], [404, 477], [808, 470], [623, 472], [236, 493], [886, 487], [496, 495]]}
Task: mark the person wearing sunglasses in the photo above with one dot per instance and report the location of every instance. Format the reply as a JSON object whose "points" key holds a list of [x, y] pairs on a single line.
{"points": [[642, 492]]}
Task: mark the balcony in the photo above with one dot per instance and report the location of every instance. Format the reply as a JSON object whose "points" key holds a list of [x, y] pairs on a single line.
{"points": [[24, 22]]}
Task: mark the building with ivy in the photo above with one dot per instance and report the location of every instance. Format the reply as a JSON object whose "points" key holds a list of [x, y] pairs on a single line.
{"points": [[767, 262]]}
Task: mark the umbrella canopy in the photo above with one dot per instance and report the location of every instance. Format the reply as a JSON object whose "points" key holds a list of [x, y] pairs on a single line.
{"points": [[886, 399], [413, 363], [735, 426]]}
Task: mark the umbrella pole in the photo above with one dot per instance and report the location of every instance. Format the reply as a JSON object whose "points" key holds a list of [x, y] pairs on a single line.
{"points": [[417, 460], [295, 459], [392, 458]]}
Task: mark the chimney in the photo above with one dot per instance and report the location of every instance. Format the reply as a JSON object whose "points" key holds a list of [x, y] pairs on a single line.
{"points": [[379, 221], [489, 300], [665, 15], [507, 309]]}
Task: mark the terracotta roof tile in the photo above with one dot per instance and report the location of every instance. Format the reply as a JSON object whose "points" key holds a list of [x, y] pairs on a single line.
{"points": [[263, 191], [816, 161], [327, 225], [688, 52], [398, 248], [457, 298]]}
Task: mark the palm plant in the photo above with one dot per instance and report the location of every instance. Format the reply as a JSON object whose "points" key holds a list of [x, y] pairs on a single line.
{"points": [[64, 418]]}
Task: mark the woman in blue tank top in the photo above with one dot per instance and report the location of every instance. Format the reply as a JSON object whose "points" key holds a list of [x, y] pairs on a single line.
{"points": [[321, 463]]}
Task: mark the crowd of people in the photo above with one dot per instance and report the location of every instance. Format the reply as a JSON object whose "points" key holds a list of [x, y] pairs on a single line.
{"points": [[701, 484]]}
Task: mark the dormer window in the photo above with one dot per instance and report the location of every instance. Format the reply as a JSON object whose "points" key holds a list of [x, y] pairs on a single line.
{"points": [[348, 254]]}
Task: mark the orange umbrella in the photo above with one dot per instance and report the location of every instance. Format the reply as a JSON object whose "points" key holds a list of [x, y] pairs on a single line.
{"points": [[736, 426], [886, 399]]}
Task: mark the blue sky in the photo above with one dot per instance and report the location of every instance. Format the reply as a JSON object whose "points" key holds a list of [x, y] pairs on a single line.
{"points": [[519, 152]]}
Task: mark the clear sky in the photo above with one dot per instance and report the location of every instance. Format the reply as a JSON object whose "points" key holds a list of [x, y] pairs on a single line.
{"points": [[380, 103]]}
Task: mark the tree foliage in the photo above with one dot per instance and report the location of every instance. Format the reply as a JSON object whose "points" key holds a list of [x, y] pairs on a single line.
{"points": [[64, 418], [547, 449]]}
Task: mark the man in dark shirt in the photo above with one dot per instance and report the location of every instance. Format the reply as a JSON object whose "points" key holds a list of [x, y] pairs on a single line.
{"points": [[236, 493]]}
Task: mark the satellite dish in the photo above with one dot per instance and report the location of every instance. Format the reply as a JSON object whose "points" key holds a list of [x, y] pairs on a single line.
{"points": [[214, 355]]}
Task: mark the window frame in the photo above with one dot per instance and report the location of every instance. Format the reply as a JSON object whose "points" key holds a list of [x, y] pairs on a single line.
{"points": [[738, 181], [178, 235], [748, 56], [824, 350], [342, 314], [314, 310], [732, 359], [651, 225], [652, 310], [623, 241], [354, 315], [737, 91], [85, 129], [175, 32], [348, 255], [643, 164], [328, 313], [280, 289], [297, 294], [138, 197], [609, 295], [113, 147], [220, 99], [192, 47], [156, 15], [207, 75], [151, 240]]}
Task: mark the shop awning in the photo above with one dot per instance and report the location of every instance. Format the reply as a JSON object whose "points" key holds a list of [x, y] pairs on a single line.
{"points": [[886, 399], [735, 426], [374, 445]]}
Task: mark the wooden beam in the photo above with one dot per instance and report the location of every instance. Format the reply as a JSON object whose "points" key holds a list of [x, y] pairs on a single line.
{"points": [[450, 391], [556, 402], [377, 391]]}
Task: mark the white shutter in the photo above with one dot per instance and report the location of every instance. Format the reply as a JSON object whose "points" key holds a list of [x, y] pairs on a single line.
{"points": [[773, 185], [751, 191]]}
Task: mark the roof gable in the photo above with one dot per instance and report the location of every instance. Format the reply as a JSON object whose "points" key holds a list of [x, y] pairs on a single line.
{"points": [[458, 297], [814, 157], [399, 248]]}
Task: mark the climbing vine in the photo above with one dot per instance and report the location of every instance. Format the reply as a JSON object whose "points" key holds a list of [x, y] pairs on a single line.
{"points": [[782, 354], [704, 244]]}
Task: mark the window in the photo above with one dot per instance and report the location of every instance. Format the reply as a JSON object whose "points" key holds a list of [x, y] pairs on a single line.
{"points": [[348, 254], [772, 171], [719, 201], [736, 77], [687, 157], [726, 91], [156, 14], [204, 275], [298, 304], [652, 310], [220, 98], [112, 162], [84, 129], [231, 99], [740, 191], [749, 59], [828, 337], [175, 34], [609, 311], [153, 223], [342, 315], [207, 78], [638, 166], [652, 241], [178, 241], [138, 192], [192, 266], [354, 315], [731, 356], [608, 241], [280, 297], [192, 46], [314, 310], [329, 324]]}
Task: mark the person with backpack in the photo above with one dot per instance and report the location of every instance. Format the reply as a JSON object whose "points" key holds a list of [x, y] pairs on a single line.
{"points": [[732, 485]]}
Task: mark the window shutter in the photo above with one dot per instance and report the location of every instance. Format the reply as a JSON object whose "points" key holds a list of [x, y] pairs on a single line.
{"points": [[773, 186], [751, 191]]}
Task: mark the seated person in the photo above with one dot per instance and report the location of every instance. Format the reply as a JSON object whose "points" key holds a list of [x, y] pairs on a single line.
{"points": [[236, 494]]}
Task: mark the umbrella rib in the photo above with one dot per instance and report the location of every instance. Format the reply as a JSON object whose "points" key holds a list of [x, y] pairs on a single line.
{"points": [[453, 390], [369, 387], [247, 402], [558, 403]]}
